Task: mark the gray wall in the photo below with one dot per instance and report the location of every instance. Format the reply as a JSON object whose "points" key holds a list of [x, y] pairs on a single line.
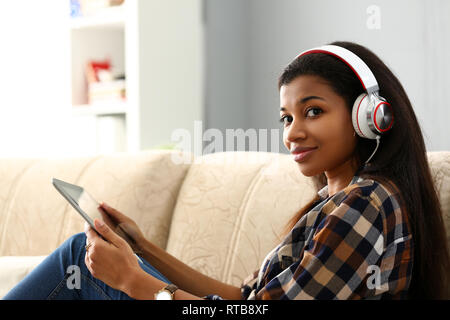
{"points": [[250, 41], [228, 74]]}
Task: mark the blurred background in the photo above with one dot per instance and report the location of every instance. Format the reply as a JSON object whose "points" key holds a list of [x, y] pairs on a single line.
{"points": [[86, 77]]}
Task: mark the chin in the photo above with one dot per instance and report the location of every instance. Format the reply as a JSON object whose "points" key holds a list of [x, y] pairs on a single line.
{"points": [[308, 171]]}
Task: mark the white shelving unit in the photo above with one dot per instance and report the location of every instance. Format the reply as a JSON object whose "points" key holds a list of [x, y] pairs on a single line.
{"points": [[112, 17], [158, 46]]}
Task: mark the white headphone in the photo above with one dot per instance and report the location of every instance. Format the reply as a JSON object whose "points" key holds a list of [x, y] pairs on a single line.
{"points": [[371, 114]]}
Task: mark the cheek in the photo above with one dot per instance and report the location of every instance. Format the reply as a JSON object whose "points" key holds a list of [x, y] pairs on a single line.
{"points": [[336, 130], [340, 141], [285, 142]]}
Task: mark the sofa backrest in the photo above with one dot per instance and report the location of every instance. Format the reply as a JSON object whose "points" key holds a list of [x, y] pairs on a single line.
{"points": [[440, 171], [230, 211], [35, 219]]}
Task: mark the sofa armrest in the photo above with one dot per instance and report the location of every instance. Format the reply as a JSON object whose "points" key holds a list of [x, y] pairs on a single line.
{"points": [[14, 268]]}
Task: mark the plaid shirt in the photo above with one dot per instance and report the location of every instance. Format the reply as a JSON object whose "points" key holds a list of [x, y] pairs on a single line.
{"points": [[356, 244]]}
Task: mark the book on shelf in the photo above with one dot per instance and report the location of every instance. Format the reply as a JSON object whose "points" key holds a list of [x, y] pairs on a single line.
{"points": [[103, 86], [107, 92]]}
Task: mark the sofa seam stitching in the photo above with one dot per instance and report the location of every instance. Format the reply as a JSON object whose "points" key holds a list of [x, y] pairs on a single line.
{"points": [[11, 195], [240, 218]]}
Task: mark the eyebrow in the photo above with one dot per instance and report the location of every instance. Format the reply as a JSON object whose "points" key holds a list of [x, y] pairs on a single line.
{"points": [[303, 100]]}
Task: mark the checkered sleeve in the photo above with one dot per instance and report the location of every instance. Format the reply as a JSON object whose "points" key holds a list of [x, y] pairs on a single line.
{"points": [[346, 245]]}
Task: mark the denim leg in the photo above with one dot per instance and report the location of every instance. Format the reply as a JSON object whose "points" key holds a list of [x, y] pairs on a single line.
{"points": [[54, 278]]}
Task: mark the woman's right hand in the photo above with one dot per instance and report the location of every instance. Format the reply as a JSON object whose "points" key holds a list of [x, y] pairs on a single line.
{"points": [[123, 226]]}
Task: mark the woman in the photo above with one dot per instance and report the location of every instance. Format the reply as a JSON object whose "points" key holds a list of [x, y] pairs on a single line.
{"points": [[374, 230]]}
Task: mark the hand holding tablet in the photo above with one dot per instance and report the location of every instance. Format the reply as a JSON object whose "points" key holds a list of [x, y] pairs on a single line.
{"points": [[90, 209]]}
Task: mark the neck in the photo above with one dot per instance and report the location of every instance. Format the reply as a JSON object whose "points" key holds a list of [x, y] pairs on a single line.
{"points": [[340, 177]]}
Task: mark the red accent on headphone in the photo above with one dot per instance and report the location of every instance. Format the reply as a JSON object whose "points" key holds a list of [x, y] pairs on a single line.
{"points": [[375, 117]]}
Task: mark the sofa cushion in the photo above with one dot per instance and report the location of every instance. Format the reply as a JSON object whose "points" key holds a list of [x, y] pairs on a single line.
{"points": [[14, 269], [35, 219], [231, 209], [440, 171]]}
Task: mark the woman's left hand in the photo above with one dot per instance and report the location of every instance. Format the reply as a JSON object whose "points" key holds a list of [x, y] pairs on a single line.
{"points": [[111, 261]]}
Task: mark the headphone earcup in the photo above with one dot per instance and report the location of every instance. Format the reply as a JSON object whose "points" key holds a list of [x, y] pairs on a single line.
{"points": [[359, 117]]}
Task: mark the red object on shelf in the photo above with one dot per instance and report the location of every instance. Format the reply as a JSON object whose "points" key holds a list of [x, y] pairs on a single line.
{"points": [[93, 67]]}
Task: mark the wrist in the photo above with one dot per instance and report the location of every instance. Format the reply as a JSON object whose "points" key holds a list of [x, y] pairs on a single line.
{"points": [[142, 286], [139, 245], [132, 281], [149, 251]]}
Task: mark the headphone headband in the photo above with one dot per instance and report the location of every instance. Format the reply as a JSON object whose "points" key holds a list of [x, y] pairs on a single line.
{"points": [[358, 66], [371, 114]]}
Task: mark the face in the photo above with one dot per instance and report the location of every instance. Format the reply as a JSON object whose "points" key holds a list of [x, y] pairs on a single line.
{"points": [[318, 127]]}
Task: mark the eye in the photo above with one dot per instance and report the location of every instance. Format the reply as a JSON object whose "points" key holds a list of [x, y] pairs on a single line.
{"points": [[283, 119], [313, 112]]}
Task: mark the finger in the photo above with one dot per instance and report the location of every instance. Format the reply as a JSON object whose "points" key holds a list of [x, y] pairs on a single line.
{"points": [[119, 230], [113, 212], [110, 220], [91, 234], [128, 233], [88, 263], [120, 222], [107, 233]]}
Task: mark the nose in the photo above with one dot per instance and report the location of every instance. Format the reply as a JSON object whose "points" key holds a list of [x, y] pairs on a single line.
{"points": [[294, 132]]}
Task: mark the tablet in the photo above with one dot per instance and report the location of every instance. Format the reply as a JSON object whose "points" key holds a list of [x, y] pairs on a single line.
{"points": [[84, 204], [81, 200]]}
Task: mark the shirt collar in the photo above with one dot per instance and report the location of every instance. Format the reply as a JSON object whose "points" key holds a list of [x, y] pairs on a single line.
{"points": [[323, 193]]}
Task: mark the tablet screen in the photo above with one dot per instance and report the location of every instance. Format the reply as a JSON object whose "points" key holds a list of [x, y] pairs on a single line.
{"points": [[81, 200], [89, 206]]}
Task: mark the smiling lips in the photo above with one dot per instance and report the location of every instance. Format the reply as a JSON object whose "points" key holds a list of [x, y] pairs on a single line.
{"points": [[301, 153]]}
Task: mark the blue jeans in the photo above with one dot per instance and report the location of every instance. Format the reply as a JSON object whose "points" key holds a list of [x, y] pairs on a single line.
{"points": [[53, 279]]}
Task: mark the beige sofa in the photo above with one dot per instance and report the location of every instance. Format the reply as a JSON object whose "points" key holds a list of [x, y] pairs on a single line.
{"points": [[221, 213]]}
